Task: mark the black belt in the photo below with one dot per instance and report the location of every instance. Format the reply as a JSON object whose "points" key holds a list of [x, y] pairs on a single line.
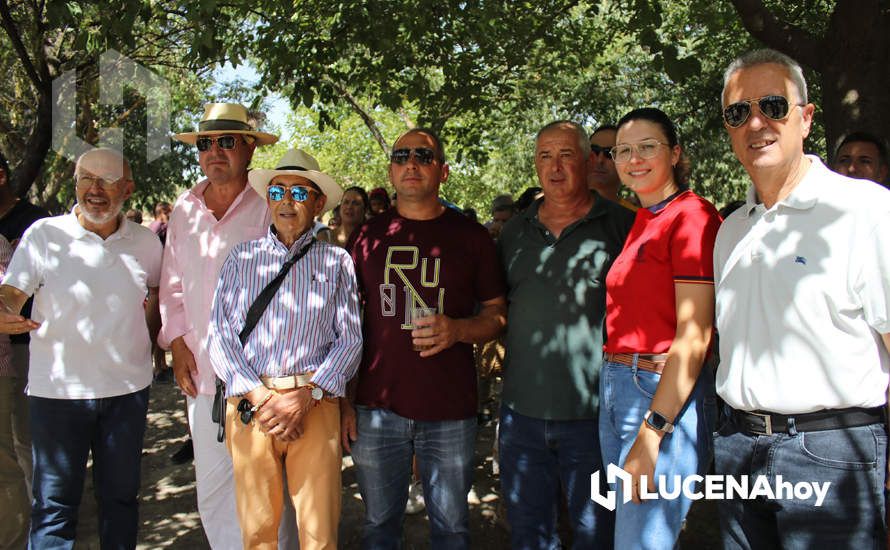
{"points": [[766, 423]]}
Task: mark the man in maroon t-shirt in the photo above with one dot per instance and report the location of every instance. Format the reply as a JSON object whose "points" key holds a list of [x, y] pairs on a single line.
{"points": [[420, 255]]}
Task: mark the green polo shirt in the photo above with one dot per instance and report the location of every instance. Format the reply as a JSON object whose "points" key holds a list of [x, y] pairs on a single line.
{"points": [[557, 309]]}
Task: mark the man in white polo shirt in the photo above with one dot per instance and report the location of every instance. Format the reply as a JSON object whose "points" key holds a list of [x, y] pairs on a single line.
{"points": [[803, 312], [94, 277]]}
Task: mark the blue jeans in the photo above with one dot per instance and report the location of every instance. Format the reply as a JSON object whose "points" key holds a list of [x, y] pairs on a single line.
{"points": [[625, 396], [63, 432], [537, 458], [445, 457], [852, 513]]}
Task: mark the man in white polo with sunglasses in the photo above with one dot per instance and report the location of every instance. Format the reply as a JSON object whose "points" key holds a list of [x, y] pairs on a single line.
{"points": [[283, 381], [803, 312], [207, 221]]}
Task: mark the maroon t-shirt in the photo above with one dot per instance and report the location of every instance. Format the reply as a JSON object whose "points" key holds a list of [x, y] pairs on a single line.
{"points": [[449, 263]]}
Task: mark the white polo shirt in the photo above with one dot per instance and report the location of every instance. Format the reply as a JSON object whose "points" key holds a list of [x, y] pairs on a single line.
{"points": [[803, 296], [89, 295]]}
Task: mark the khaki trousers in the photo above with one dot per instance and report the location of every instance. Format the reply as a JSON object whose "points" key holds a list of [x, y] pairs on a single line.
{"points": [[312, 463]]}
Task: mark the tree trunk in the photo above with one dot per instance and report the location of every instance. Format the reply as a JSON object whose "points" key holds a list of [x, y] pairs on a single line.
{"points": [[852, 59], [34, 154], [855, 71]]}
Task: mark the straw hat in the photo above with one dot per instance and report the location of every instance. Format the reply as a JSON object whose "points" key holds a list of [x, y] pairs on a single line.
{"points": [[300, 163], [225, 118]]}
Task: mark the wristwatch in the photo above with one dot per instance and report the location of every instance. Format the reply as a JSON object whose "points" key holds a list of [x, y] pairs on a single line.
{"points": [[316, 392], [658, 422]]}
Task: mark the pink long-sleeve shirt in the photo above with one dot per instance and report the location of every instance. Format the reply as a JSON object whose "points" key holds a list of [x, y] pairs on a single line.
{"points": [[197, 246]]}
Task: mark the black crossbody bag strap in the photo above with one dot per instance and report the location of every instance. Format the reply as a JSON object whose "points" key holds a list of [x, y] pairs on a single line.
{"points": [[254, 313]]}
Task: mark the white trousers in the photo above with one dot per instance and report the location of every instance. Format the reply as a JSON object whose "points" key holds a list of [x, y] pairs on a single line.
{"points": [[216, 484]]}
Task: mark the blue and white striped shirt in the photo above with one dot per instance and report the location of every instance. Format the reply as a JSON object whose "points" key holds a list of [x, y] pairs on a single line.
{"points": [[311, 324]]}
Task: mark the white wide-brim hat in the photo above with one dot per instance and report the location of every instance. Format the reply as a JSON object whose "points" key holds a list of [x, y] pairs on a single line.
{"points": [[225, 119], [300, 163]]}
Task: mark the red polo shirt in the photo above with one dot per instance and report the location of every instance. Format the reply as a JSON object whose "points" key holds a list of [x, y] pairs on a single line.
{"points": [[673, 245]]}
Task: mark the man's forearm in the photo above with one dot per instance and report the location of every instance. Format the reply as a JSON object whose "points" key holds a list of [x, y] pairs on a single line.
{"points": [[484, 326]]}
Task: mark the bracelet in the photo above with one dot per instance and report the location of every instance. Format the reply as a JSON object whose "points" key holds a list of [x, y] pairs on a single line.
{"points": [[265, 400]]}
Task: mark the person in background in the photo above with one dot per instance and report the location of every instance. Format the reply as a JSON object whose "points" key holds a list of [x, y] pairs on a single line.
{"points": [[378, 201], [334, 221], [656, 398], [527, 197], [603, 177], [502, 209], [353, 208], [16, 215], [862, 156], [162, 218], [134, 216]]}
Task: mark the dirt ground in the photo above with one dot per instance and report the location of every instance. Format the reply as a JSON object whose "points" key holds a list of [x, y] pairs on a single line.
{"points": [[169, 517]]}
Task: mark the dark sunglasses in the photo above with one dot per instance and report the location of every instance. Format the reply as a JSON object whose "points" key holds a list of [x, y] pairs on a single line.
{"points": [[423, 155], [597, 150], [774, 107], [224, 142], [298, 193], [245, 410]]}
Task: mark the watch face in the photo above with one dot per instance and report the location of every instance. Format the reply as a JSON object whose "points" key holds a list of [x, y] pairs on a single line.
{"points": [[659, 422], [317, 393]]}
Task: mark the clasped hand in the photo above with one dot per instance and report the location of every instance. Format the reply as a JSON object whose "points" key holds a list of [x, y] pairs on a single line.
{"points": [[282, 416]]}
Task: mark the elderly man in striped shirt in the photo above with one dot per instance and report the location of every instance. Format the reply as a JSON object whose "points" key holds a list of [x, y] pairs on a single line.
{"points": [[283, 381]]}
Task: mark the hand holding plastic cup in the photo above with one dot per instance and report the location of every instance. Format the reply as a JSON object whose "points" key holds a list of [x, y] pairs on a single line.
{"points": [[418, 312]]}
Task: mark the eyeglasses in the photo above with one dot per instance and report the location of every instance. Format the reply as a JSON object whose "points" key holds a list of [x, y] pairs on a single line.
{"points": [[423, 155], [245, 411], [297, 192], [597, 150], [85, 182], [225, 142], [645, 149], [773, 107]]}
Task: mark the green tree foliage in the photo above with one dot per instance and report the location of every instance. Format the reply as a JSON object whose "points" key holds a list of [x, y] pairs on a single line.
{"points": [[41, 41]]}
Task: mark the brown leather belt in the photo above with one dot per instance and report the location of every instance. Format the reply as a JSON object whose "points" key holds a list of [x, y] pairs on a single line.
{"points": [[287, 382], [646, 362]]}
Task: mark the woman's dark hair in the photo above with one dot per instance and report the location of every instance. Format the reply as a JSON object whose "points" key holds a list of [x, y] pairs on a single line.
{"points": [[361, 193], [658, 117]]}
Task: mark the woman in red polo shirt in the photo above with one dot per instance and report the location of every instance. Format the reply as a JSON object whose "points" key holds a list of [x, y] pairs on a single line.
{"points": [[656, 401]]}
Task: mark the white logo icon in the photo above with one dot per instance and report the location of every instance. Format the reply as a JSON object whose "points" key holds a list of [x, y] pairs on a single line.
{"points": [[115, 72]]}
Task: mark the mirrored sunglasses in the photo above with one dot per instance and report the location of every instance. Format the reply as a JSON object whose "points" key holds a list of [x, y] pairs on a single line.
{"points": [[224, 142], [423, 155], [297, 192], [774, 107]]}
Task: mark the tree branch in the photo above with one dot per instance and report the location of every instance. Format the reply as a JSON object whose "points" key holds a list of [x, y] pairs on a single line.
{"points": [[785, 37], [9, 26], [366, 118]]}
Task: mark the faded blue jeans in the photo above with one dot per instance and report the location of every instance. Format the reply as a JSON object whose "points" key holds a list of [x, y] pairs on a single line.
{"points": [[625, 396], [853, 460], [63, 433], [540, 459], [445, 457]]}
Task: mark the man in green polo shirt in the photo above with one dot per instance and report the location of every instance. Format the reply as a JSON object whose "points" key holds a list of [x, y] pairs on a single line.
{"points": [[556, 255]]}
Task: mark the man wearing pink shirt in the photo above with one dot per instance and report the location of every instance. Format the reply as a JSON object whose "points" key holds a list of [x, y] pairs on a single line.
{"points": [[207, 221]]}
